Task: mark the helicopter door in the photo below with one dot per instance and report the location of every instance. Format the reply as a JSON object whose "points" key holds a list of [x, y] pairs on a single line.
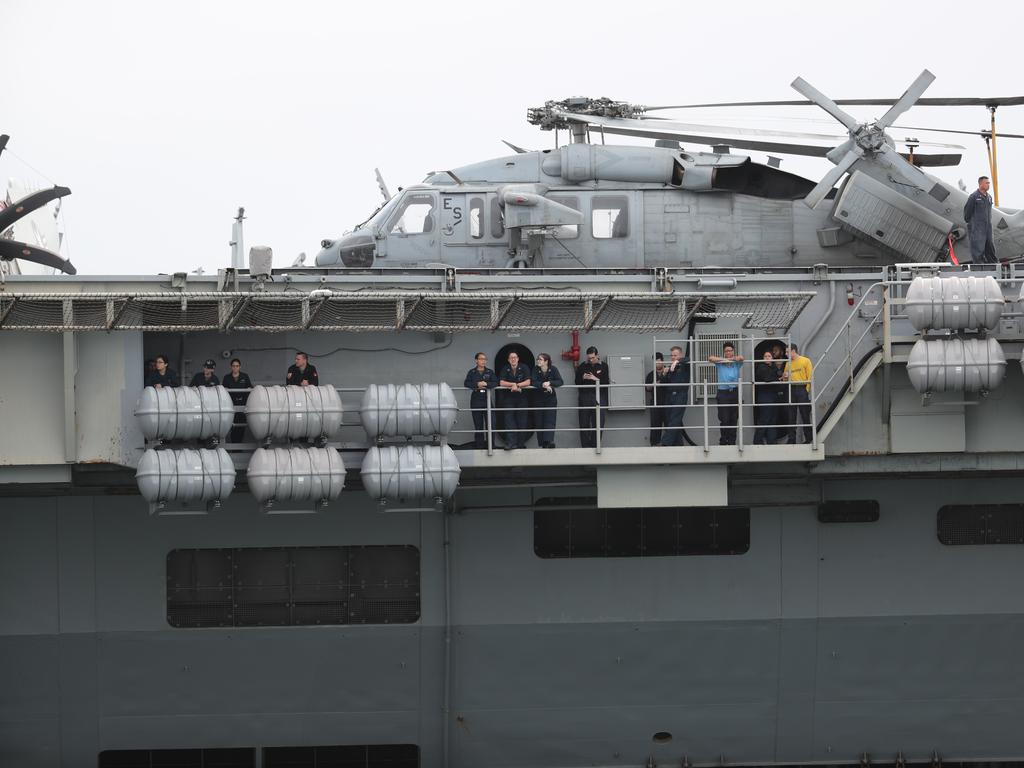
{"points": [[615, 223], [454, 219], [561, 245], [413, 230]]}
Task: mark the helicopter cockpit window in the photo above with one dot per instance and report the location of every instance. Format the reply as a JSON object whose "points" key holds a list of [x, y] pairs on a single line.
{"points": [[476, 218], [416, 216], [567, 231], [610, 217]]}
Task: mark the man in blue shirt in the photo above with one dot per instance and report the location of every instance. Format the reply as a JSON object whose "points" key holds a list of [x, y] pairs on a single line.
{"points": [[728, 366]]}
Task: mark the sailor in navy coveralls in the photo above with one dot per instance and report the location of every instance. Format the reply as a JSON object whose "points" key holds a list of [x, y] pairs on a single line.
{"points": [[480, 380], [978, 215]]}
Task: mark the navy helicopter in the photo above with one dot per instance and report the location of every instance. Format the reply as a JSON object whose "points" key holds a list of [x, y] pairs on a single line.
{"points": [[605, 206]]}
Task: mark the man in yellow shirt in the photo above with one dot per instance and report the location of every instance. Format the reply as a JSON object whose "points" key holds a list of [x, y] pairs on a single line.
{"points": [[798, 371]]}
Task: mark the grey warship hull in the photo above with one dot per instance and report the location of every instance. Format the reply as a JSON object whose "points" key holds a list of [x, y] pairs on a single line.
{"points": [[552, 613]]}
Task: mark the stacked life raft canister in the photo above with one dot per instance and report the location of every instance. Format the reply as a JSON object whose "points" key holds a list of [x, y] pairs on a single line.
{"points": [[295, 473], [189, 474], [966, 306], [409, 471]]}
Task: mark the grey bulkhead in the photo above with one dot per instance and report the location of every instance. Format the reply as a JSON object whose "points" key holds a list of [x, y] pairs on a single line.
{"points": [[678, 208]]}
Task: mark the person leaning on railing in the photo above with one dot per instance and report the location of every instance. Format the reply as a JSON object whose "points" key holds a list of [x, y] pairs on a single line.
{"points": [[516, 377], [728, 367], [546, 379], [798, 373], [767, 393], [163, 376], [656, 397], [675, 379], [480, 380], [592, 379]]}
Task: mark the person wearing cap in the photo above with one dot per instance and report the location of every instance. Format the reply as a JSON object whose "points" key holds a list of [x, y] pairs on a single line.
{"points": [[207, 377], [302, 374]]}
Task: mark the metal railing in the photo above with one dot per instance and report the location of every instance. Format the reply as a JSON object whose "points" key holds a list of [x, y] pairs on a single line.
{"points": [[746, 421], [767, 421]]}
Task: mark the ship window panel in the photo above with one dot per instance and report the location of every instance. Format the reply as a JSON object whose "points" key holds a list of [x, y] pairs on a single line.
{"points": [[587, 533], [497, 220], [552, 532], [476, 218], [975, 524], [300, 586], [609, 217], [624, 533], [566, 231], [661, 532], [848, 511]]}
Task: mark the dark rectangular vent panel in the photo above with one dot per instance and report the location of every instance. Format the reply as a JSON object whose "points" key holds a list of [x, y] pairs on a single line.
{"points": [[862, 511], [349, 756], [965, 524], [293, 586], [244, 757], [574, 531]]}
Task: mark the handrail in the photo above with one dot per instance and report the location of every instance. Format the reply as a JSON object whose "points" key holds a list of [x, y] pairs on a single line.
{"points": [[747, 426], [848, 361]]}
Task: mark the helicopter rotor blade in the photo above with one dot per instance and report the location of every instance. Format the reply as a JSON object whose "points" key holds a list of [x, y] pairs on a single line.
{"points": [[907, 100], [26, 205], [932, 161], [981, 134], [625, 127], [12, 249], [685, 128], [926, 101], [711, 141], [804, 88], [830, 179]]}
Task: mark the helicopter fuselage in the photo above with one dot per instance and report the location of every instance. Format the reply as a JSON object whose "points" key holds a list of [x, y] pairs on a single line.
{"points": [[634, 207]]}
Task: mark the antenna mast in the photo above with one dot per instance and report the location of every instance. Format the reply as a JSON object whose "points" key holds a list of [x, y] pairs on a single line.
{"points": [[237, 241]]}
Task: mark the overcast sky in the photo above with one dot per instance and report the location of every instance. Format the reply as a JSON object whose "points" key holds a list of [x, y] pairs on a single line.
{"points": [[164, 118]]}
